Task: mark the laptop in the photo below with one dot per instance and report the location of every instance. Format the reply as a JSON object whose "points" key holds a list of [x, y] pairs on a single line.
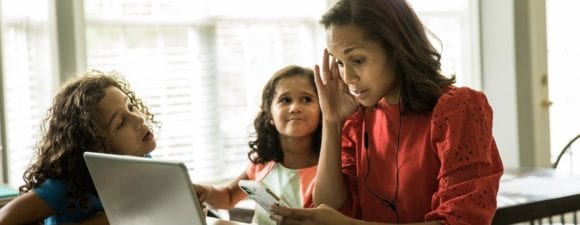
{"points": [[143, 191]]}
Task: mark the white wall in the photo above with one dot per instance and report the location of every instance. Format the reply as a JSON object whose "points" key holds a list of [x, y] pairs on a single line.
{"points": [[498, 74], [513, 49]]}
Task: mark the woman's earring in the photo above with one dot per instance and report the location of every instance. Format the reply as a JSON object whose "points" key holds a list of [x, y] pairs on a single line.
{"points": [[271, 122]]}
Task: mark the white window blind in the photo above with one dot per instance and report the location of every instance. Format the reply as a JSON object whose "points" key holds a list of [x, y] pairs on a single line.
{"points": [[199, 64], [29, 78], [202, 75], [456, 24]]}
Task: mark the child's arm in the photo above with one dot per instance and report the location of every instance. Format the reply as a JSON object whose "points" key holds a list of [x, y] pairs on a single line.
{"points": [[27, 208], [222, 197]]}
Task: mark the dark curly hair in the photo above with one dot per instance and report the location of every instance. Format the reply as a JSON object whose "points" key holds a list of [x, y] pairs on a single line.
{"points": [[75, 125], [266, 146], [394, 25]]}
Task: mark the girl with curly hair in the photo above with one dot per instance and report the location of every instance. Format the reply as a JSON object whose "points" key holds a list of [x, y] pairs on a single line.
{"points": [[284, 153], [95, 112]]}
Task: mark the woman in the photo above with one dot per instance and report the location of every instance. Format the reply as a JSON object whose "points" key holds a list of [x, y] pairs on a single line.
{"points": [[400, 144]]}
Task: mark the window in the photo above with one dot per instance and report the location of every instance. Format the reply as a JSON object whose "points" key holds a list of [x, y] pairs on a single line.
{"points": [[201, 70], [200, 66], [563, 70], [29, 78], [456, 24]]}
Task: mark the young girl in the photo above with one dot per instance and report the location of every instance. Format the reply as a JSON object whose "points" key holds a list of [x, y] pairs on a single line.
{"points": [[95, 112], [401, 143], [284, 154]]}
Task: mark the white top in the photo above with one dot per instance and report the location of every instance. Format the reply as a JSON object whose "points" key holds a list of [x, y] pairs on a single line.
{"points": [[286, 183]]}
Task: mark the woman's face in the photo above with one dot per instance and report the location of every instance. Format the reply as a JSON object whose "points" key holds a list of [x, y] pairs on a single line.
{"points": [[295, 110], [363, 65], [125, 125]]}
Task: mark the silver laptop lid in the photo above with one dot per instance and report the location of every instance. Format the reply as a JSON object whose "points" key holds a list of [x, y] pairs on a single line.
{"points": [[144, 191]]}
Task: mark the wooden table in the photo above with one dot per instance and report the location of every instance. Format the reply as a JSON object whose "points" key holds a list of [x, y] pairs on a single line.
{"points": [[527, 193]]}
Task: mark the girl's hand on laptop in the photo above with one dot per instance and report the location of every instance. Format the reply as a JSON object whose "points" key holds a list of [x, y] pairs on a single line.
{"points": [[202, 192]]}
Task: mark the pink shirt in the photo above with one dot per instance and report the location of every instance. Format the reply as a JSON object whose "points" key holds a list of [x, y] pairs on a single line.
{"points": [[449, 165], [303, 185], [295, 186]]}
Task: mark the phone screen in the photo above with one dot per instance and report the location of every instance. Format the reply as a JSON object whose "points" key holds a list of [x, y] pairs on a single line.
{"points": [[260, 193]]}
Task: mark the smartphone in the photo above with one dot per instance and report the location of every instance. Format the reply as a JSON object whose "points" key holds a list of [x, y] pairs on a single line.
{"points": [[261, 193]]}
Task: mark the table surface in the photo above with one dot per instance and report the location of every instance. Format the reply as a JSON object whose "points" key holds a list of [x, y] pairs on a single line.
{"points": [[529, 193], [528, 185]]}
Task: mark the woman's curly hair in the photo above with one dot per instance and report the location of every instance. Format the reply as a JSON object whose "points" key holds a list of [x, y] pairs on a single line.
{"points": [[75, 125], [266, 146]]}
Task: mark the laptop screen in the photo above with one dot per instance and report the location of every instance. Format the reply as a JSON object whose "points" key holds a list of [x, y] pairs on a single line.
{"points": [[144, 191]]}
